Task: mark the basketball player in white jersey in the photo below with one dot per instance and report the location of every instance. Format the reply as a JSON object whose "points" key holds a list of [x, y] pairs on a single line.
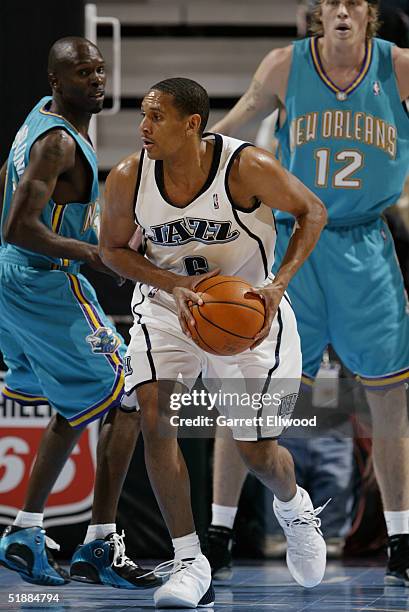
{"points": [[204, 204]]}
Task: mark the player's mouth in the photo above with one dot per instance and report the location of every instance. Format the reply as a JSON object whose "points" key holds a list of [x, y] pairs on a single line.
{"points": [[98, 95], [343, 27], [147, 144]]}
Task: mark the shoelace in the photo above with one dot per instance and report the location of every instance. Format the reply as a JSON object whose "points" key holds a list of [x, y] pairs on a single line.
{"points": [[51, 543], [120, 559], [309, 518], [176, 565]]}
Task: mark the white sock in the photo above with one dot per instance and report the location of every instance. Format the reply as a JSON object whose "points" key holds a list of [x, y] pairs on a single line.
{"points": [[291, 508], [99, 532], [397, 522], [223, 516], [29, 519], [187, 547]]}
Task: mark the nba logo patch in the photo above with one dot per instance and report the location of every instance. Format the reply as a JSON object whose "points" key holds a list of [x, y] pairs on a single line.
{"points": [[215, 201], [376, 88], [383, 234]]}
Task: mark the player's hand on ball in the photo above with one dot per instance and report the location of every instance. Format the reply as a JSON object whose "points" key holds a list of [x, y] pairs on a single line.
{"points": [[184, 293], [271, 296]]}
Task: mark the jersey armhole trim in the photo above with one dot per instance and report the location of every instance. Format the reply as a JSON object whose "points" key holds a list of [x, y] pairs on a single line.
{"points": [[138, 181], [226, 181], [235, 209]]}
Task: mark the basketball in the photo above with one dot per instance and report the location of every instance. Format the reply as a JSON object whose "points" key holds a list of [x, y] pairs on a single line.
{"points": [[228, 320]]}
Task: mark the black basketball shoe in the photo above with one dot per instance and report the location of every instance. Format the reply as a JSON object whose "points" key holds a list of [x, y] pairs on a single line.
{"points": [[105, 562], [397, 570], [218, 546]]}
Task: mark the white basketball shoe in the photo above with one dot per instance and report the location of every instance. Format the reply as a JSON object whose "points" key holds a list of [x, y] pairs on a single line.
{"points": [[189, 585], [306, 549]]}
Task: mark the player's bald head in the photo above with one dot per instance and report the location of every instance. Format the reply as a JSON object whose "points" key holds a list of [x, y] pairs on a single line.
{"points": [[69, 50]]}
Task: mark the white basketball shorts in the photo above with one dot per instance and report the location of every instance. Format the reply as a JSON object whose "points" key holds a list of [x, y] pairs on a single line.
{"points": [[270, 374]]}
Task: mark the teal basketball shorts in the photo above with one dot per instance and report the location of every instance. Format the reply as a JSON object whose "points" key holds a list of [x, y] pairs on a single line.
{"points": [[350, 294], [58, 344]]}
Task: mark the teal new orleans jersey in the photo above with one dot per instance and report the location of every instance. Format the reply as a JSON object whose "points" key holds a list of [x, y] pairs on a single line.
{"points": [[70, 220], [57, 342], [350, 147]]}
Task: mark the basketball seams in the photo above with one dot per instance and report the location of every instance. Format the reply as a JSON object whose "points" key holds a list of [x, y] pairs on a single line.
{"points": [[220, 282], [239, 304], [230, 322], [196, 331], [226, 331]]}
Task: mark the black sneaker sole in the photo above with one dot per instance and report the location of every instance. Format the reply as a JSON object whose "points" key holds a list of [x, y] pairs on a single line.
{"points": [[88, 574]]}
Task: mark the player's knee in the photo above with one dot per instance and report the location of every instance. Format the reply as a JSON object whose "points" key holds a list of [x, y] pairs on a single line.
{"points": [[59, 425], [154, 413], [150, 422], [260, 457], [125, 419]]}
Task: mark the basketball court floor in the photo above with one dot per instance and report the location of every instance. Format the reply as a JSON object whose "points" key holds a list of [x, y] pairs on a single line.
{"points": [[256, 587]]}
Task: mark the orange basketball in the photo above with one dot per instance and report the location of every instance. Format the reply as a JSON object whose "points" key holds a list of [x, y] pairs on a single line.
{"points": [[228, 320]]}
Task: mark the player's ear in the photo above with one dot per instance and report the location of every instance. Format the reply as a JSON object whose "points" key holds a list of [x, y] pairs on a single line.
{"points": [[53, 80], [194, 122]]}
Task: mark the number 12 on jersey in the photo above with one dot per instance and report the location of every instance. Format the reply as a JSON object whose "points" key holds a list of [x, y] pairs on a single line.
{"points": [[351, 161]]}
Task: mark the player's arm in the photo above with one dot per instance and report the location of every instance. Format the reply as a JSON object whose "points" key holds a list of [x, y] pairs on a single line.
{"points": [[117, 243], [401, 64], [51, 157], [256, 174], [118, 229], [267, 87]]}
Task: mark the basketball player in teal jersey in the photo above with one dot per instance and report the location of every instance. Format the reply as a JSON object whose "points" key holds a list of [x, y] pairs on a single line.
{"points": [[344, 131], [57, 342]]}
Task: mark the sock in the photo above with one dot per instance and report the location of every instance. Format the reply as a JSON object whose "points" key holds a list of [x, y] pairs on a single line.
{"points": [[187, 547], [291, 508], [99, 532], [29, 519], [397, 522], [223, 516]]}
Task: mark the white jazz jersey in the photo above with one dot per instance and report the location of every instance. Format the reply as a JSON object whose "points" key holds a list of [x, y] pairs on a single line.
{"points": [[211, 231], [207, 233]]}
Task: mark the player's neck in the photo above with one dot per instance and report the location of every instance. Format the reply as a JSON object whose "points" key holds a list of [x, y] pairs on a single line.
{"points": [[189, 166], [79, 120], [341, 53]]}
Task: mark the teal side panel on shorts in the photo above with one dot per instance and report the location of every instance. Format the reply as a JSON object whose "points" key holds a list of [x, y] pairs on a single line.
{"points": [[308, 300], [57, 340]]}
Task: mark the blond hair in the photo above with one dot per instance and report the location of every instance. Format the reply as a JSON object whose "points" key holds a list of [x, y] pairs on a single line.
{"points": [[316, 27]]}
